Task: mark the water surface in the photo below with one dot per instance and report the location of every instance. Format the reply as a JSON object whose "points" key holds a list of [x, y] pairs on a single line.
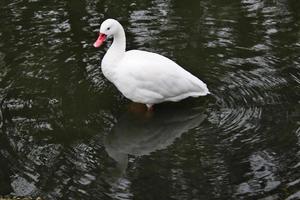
{"points": [[67, 133]]}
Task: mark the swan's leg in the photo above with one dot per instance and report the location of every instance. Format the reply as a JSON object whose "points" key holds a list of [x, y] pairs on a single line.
{"points": [[149, 107]]}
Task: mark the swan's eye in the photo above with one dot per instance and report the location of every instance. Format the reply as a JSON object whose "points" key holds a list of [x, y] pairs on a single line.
{"points": [[108, 28]]}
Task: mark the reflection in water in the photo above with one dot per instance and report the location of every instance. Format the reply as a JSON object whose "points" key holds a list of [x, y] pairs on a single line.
{"points": [[138, 135]]}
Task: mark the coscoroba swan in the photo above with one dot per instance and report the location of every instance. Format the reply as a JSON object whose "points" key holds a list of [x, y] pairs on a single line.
{"points": [[142, 76]]}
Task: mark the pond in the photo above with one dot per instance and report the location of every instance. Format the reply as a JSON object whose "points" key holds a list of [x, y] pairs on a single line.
{"points": [[68, 133]]}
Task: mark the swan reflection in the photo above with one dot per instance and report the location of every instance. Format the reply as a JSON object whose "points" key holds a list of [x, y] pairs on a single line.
{"points": [[140, 135]]}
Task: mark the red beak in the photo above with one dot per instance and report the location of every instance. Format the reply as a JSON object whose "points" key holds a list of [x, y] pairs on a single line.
{"points": [[100, 40]]}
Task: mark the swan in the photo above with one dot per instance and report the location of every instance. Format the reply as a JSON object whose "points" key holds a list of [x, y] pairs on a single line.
{"points": [[144, 77]]}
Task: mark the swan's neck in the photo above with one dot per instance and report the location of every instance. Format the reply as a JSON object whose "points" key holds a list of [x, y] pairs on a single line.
{"points": [[114, 54], [117, 49]]}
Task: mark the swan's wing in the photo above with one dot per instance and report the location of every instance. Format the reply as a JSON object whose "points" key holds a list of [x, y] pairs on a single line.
{"points": [[154, 76]]}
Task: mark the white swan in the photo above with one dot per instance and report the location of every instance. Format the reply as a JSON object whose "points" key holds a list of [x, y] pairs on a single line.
{"points": [[142, 76]]}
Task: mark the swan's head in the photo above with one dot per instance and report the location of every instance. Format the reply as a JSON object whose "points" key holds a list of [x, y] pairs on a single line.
{"points": [[108, 28]]}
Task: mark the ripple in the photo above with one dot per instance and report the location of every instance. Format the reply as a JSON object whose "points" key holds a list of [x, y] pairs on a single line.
{"points": [[246, 93], [249, 85]]}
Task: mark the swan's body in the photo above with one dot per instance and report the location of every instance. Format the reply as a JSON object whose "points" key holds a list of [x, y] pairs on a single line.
{"points": [[142, 76]]}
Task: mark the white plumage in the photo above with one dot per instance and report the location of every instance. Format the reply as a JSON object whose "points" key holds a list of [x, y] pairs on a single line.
{"points": [[142, 76]]}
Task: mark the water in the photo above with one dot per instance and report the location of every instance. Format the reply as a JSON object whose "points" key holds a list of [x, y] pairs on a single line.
{"points": [[67, 133]]}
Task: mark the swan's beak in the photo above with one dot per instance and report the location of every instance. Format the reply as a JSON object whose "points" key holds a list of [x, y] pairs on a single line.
{"points": [[100, 40]]}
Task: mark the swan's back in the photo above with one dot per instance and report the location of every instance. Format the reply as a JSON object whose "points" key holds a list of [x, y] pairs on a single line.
{"points": [[152, 78]]}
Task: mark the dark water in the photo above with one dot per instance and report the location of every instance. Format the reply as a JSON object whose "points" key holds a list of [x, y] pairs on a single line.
{"points": [[67, 133]]}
